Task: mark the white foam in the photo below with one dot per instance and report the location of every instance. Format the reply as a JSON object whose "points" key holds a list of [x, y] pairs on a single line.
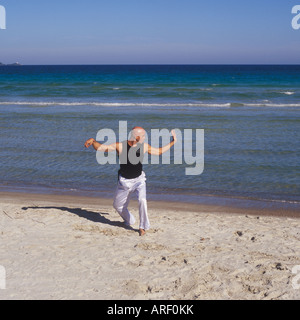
{"points": [[113, 104], [288, 92], [140, 104]]}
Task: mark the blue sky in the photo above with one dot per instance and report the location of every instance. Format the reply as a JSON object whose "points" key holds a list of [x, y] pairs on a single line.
{"points": [[149, 32]]}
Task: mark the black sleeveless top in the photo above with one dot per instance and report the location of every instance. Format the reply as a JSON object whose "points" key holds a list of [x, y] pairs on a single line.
{"points": [[131, 160]]}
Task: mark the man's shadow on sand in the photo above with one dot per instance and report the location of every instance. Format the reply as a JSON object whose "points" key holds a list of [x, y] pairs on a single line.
{"points": [[89, 215]]}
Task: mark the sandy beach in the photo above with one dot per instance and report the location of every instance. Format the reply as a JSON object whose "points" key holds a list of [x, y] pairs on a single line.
{"points": [[72, 247]]}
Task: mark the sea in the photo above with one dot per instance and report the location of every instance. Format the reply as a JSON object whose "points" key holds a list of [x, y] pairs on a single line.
{"points": [[250, 116]]}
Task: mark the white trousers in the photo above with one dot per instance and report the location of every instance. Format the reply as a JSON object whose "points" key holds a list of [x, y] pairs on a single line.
{"points": [[124, 190]]}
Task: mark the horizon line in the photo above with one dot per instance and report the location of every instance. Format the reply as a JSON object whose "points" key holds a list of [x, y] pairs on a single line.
{"points": [[155, 64]]}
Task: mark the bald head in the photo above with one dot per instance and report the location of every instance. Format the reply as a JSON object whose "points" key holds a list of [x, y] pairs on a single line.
{"points": [[138, 134]]}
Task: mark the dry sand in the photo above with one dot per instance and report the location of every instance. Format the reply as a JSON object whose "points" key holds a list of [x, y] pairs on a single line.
{"points": [[65, 247]]}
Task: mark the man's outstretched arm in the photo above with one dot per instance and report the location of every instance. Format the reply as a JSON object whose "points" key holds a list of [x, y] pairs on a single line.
{"points": [[102, 147], [161, 150]]}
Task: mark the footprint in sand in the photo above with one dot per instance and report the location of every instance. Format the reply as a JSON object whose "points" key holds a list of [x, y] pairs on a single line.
{"points": [[150, 246]]}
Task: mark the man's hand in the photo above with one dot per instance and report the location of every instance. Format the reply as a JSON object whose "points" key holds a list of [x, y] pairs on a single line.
{"points": [[89, 142], [174, 136]]}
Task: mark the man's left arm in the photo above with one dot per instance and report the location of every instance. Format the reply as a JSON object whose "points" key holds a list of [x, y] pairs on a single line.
{"points": [[161, 150]]}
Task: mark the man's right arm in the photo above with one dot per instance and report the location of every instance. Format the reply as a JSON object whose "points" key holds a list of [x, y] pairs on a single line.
{"points": [[102, 147]]}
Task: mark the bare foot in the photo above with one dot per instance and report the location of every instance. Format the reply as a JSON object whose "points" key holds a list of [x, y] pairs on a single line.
{"points": [[142, 232]]}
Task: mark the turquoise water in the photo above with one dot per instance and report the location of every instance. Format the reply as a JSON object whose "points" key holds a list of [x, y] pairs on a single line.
{"points": [[250, 116]]}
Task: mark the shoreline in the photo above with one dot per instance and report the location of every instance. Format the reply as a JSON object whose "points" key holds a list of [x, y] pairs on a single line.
{"points": [[290, 206], [96, 200]]}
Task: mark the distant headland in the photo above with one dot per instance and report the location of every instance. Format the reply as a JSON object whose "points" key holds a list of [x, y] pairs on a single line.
{"points": [[11, 64]]}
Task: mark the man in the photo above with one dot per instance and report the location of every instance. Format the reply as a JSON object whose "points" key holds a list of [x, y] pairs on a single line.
{"points": [[131, 175]]}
